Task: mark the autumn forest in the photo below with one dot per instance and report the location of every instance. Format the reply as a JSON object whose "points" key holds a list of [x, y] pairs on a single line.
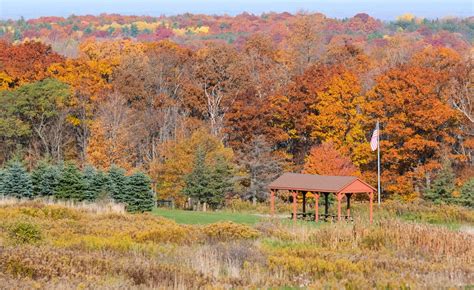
{"points": [[254, 94]]}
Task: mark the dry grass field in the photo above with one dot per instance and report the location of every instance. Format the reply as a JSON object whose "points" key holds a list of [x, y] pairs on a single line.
{"points": [[57, 246]]}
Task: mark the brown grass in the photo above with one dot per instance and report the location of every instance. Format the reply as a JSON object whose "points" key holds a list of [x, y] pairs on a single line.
{"points": [[105, 249]]}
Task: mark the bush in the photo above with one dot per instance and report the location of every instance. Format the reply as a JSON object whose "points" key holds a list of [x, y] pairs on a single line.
{"points": [[25, 233], [171, 233], [226, 231]]}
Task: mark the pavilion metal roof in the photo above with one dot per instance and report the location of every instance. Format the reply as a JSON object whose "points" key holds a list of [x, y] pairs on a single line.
{"points": [[317, 183]]}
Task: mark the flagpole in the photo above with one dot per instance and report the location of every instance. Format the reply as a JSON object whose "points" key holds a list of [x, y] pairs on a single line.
{"points": [[378, 161]]}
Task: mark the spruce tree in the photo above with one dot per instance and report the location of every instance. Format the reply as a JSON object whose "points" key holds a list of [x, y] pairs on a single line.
{"points": [[443, 186], [92, 188], [197, 183], [2, 183], [139, 196], [17, 181], [100, 183], [45, 179], [221, 181], [71, 184], [467, 194], [116, 185]]}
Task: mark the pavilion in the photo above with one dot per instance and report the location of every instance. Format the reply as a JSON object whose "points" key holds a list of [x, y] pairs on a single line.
{"points": [[319, 185]]}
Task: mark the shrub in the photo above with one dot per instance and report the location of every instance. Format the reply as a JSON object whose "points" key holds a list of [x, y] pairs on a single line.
{"points": [[25, 233], [225, 231], [172, 233]]}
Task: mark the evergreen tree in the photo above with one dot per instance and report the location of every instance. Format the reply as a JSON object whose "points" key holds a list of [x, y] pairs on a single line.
{"points": [[71, 185], [443, 186], [139, 195], [45, 179], [17, 181], [198, 182], [221, 181], [116, 185], [2, 183], [101, 181], [94, 183], [134, 30], [467, 194]]}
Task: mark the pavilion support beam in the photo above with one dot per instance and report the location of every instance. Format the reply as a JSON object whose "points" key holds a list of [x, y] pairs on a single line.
{"points": [[304, 201], [348, 197], [316, 207], [272, 202], [371, 196], [326, 204], [294, 205], [339, 197]]}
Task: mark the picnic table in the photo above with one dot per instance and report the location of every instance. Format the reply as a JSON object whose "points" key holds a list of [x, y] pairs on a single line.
{"points": [[310, 216]]}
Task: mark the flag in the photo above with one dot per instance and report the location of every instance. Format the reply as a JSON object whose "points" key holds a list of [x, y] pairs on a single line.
{"points": [[375, 139]]}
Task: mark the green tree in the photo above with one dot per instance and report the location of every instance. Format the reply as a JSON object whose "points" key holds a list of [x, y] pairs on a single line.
{"points": [[2, 183], [443, 185], [94, 183], [198, 182], [116, 185], [139, 195], [71, 185], [467, 194], [134, 30], [32, 115], [17, 181], [45, 179], [221, 181]]}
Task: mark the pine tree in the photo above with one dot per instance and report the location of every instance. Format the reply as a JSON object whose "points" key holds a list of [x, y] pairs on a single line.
{"points": [[116, 185], [139, 195], [17, 181], [467, 194], [94, 183], [2, 183], [443, 186], [134, 30], [45, 179], [221, 182], [197, 183], [71, 185]]}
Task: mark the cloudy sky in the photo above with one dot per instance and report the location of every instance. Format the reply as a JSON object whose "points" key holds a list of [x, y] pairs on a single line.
{"points": [[383, 9]]}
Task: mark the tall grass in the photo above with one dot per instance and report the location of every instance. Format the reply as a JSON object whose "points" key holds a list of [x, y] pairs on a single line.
{"points": [[84, 248]]}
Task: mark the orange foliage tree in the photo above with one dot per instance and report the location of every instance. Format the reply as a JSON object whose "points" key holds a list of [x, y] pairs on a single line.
{"points": [[324, 159], [418, 126]]}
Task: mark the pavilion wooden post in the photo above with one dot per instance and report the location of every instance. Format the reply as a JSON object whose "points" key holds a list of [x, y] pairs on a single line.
{"points": [[339, 197], [348, 196], [371, 195], [326, 205], [294, 205], [304, 201], [316, 207], [272, 202]]}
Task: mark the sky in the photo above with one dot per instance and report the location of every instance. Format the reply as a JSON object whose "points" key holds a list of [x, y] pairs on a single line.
{"points": [[382, 9]]}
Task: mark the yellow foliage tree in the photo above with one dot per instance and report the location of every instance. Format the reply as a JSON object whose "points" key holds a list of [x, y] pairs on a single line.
{"points": [[177, 161]]}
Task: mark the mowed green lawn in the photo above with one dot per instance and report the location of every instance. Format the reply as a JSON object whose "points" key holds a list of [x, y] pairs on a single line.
{"points": [[199, 217]]}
